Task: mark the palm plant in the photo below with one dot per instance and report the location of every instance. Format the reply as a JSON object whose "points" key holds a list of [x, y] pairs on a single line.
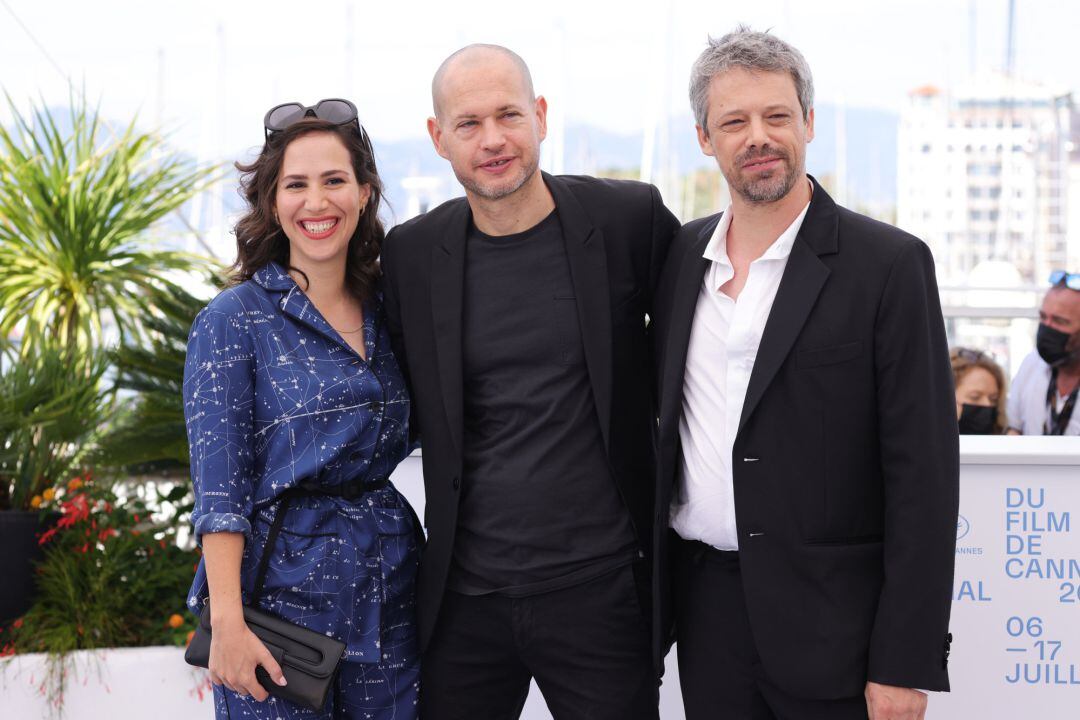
{"points": [[51, 408], [75, 210], [149, 436]]}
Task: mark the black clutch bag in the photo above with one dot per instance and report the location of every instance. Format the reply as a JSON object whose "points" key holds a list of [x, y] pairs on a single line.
{"points": [[308, 659]]}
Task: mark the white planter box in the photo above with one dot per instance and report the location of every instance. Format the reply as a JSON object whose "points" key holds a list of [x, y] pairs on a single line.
{"points": [[119, 684]]}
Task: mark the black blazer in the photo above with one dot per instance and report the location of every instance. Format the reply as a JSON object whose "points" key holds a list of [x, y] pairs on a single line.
{"points": [[617, 234], [846, 461]]}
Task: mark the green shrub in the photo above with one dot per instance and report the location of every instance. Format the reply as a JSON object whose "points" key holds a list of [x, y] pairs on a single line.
{"points": [[112, 576]]}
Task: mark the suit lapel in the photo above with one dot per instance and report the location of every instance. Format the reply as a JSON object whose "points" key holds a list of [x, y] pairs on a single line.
{"points": [[587, 257], [803, 279], [447, 286], [680, 321]]}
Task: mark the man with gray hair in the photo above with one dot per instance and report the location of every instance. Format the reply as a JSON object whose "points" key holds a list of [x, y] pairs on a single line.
{"points": [[808, 445], [518, 313]]}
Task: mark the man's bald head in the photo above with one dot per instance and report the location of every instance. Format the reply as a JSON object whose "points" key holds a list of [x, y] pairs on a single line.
{"points": [[478, 54]]}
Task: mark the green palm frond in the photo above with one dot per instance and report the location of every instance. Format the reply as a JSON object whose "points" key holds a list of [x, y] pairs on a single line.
{"points": [[77, 211], [51, 409], [150, 436]]}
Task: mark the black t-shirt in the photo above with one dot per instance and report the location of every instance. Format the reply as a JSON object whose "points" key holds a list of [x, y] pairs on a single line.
{"points": [[539, 508]]}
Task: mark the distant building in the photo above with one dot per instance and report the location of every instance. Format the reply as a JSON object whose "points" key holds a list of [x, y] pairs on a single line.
{"points": [[984, 174]]}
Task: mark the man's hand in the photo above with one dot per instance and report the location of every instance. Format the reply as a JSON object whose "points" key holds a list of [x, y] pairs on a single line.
{"points": [[887, 702]]}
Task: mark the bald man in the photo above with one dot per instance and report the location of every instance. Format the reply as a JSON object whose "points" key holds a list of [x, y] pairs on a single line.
{"points": [[519, 314]]}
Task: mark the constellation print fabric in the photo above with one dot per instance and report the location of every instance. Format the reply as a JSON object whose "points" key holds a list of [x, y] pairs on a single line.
{"points": [[363, 692], [274, 398]]}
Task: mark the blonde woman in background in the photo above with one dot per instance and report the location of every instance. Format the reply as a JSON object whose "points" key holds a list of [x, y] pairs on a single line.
{"points": [[980, 392]]}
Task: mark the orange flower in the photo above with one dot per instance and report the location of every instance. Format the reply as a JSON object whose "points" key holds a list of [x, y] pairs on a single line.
{"points": [[48, 493], [74, 484], [191, 634], [35, 502], [175, 621]]}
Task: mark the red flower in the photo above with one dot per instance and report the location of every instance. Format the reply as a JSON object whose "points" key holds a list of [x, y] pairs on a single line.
{"points": [[17, 624], [74, 510], [46, 536]]}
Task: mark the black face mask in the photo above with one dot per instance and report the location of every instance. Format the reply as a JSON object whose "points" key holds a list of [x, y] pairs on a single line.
{"points": [[977, 419], [1051, 345]]}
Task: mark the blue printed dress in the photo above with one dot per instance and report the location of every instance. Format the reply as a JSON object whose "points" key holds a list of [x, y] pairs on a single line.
{"points": [[273, 397]]}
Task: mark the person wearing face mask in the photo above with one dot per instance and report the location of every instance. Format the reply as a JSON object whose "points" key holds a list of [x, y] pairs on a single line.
{"points": [[980, 392], [1044, 395]]}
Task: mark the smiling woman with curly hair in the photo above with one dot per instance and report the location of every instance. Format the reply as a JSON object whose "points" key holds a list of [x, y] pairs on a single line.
{"points": [[297, 413]]}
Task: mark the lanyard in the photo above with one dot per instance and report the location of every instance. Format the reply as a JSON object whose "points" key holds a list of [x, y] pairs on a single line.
{"points": [[1058, 420]]}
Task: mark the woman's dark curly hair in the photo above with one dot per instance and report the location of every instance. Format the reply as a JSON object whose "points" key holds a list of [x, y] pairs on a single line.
{"points": [[260, 239]]}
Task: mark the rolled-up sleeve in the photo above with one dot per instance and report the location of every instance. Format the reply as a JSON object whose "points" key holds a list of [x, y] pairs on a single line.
{"points": [[219, 395]]}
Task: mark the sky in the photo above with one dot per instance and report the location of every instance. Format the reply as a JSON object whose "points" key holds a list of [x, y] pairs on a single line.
{"points": [[207, 71]]}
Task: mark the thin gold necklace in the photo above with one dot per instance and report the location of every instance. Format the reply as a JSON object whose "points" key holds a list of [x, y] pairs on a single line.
{"points": [[347, 332]]}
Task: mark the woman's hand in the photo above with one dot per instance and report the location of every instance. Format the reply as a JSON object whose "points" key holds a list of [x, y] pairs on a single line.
{"points": [[235, 652]]}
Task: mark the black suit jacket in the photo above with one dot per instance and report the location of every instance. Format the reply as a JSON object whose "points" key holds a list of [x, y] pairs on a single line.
{"points": [[846, 461], [617, 234]]}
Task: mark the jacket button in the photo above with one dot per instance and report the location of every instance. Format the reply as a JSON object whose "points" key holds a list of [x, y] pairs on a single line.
{"points": [[456, 483]]}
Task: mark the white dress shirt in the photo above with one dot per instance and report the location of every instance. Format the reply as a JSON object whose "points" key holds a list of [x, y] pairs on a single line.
{"points": [[1026, 404], [724, 342]]}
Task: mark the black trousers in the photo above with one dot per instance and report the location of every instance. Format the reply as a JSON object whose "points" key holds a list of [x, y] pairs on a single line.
{"points": [[587, 646], [719, 669]]}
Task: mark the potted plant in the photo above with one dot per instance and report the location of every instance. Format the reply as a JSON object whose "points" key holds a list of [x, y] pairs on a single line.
{"points": [[112, 576], [81, 206], [51, 406]]}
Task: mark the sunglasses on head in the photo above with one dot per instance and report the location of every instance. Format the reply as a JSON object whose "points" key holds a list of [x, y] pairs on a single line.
{"points": [[1067, 279], [334, 110]]}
